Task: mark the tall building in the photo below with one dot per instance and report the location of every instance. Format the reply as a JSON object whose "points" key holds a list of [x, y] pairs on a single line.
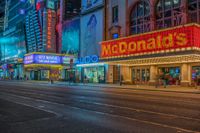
{"points": [[69, 10], [41, 21], [13, 46], [91, 33], [158, 40], [2, 12]]}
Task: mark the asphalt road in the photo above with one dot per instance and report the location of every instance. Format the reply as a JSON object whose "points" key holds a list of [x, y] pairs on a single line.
{"points": [[36, 108]]}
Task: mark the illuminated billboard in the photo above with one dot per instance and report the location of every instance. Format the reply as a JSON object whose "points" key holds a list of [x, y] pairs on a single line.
{"points": [[168, 39], [42, 59], [91, 33], [71, 37], [52, 59], [12, 48]]}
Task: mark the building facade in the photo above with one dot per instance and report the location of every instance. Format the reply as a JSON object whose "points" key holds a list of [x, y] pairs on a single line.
{"points": [[152, 40], [69, 35], [91, 33], [13, 45]]}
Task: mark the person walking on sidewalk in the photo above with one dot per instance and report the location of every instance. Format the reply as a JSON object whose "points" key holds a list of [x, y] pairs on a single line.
{"points": [[165, 78], [196, 81], [157, 81], [121, 80]]}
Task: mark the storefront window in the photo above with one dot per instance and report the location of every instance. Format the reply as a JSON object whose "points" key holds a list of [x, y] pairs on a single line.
{"points": [[140, 75], [194, 10], [140, 18], [196, 74], [44, 74], [168, 13], [171, 75], [94, 74]]}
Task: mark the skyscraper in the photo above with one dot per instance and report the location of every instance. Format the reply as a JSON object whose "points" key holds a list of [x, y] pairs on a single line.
{"points": [[41, 21], [2, 10]]}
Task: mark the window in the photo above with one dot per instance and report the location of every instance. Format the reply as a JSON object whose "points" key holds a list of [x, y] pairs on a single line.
{"points": [[168, 13], [115, 14], [194, 10], [140, 18]]}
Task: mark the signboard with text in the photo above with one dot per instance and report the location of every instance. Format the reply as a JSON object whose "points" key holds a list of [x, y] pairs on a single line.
{"points": [[174, 38], [52, 59]]}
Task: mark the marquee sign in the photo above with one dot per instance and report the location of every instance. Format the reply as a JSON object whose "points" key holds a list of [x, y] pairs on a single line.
{"points": [[181, 37], [46, 59]]}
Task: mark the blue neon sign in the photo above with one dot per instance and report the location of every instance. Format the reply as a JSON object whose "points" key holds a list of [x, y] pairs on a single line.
{"points": [[88, 59]]}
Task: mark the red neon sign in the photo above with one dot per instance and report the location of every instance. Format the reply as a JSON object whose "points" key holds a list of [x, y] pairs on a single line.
{"points": [[181, 37]]}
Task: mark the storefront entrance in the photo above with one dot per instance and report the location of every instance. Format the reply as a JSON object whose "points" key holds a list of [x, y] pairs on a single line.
{"points": [[140, 75], [171, 75], [94, 74]]}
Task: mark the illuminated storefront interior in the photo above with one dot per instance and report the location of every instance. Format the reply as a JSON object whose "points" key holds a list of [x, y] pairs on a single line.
{"points": [[89, 70], [171, 54]]}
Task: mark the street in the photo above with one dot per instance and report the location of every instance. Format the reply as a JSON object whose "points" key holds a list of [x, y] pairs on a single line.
{"points": [[35, 108]]}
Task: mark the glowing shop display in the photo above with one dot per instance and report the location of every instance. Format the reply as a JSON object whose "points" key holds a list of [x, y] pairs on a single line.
{"points": [[88, 59], [66, 59], [154, 41]]}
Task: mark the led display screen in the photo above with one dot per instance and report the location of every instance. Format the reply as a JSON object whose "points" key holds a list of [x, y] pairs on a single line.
{"points": [[12, 48], [46, 59], [71, 37], [42, 59]]}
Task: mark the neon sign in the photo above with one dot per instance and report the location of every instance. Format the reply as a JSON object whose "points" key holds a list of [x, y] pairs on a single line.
{"points": [[46, 59], [88, 59], [28, 59], [51, 30], [150, 42]]}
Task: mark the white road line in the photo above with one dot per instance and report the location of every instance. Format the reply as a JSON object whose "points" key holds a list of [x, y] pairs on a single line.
{"points": [[140, 110], [128, 108], [118, 116]]}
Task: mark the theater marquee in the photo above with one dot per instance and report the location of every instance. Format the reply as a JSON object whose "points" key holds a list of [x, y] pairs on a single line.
{"points": [[174, 38]]}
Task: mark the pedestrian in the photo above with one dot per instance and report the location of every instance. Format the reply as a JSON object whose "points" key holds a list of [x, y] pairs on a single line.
{"points": [[121, 80], [99, 78], [157, 80], [85, 79], [165, 80]]}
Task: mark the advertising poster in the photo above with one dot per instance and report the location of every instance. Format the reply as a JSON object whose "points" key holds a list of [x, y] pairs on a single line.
{"points": [[89, 4], [71, 37], [91, 33], [12, 48]]}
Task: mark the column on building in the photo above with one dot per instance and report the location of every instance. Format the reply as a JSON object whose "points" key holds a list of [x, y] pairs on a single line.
{"points": [[185, 74], [153, 75], [109, 74], [126, 73]]}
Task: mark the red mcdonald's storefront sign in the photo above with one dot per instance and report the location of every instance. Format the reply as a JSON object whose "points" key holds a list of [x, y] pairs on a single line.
{"points": [[173, 38]]}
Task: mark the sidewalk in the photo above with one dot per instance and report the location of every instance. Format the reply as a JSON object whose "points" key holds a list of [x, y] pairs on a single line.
{"points": [[135, 87]]}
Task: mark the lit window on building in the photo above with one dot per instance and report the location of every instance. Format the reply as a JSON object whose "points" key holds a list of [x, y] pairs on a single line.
{"points": [[115, 14], [194, 11], [140, 18], [168, 13]]}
